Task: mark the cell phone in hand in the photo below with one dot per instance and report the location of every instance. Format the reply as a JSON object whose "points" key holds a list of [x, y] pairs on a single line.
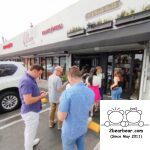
{"points": [[44, 92]]}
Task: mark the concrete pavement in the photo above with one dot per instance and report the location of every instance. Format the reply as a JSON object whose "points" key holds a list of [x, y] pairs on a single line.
{"points": [[12, 128], [11, 138]]}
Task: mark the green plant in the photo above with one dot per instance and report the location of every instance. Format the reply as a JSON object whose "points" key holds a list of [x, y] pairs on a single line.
{"points": [[75, 29], [64, 78], [122, 14], [91, 24], [99, 22], [126, 13], [94, 24], [106, 20], [102, 21], [144, 8], [132, 11]]}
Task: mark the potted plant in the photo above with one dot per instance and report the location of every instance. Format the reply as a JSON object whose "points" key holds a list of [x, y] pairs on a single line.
{"points": [[91, 25], [76, 31], [129, 17], [99, 25], [146, 8], [64, 78]]}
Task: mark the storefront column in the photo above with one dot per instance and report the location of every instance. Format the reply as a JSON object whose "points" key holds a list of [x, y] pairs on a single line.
{"points": [[145, 78], [68, 61]]}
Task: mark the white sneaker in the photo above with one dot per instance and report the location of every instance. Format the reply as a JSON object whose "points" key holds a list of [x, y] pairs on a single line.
{"points": [[91, 115], [36, 142], [89, 120], [58, 128]]}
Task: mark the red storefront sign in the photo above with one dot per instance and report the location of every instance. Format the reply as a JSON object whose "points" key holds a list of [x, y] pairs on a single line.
{"points": [[9, 45], [52, 29]]}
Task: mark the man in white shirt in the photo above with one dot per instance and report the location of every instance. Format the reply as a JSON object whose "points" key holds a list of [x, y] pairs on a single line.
{"points": [[55, 89]]}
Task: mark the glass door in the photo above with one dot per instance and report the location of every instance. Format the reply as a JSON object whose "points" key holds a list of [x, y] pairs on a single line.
{"points": [[63, 63], [130, 66], [49, 66], [123, 64], [109, 73], [43, 64], [136, 76]]}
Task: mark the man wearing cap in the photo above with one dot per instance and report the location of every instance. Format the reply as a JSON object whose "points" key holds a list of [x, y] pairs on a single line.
{"points": [[55, 89]]}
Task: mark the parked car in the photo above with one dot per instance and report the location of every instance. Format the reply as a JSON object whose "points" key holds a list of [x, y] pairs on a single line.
{"points": [[10, 73]]}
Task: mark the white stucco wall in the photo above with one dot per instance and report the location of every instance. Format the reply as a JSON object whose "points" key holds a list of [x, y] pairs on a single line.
{"points": [[145, 77], [73, 16], [146, 87]]}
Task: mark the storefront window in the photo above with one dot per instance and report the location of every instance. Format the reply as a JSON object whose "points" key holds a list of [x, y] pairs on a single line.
{"points": [[123, 64], [18, 60], [76, 62], [49, 63], [36, 60], [56, 60], [130, 66], [43, 64], [63, 63], [109, 73], [26, 63], [31, 61], [136, 76]]}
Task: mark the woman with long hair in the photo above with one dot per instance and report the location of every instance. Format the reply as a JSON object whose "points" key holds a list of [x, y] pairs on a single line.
{"points": [[93, 83], [116, 87], [101, 76]]}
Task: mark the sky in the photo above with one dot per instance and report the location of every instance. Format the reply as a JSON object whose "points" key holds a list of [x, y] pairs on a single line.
{"points": [[16, 15]]}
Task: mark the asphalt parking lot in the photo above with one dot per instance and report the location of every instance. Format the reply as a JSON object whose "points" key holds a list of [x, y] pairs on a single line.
{"points": [[12, 128]]}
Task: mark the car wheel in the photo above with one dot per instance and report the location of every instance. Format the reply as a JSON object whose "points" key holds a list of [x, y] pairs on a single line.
{"points": [[9, 101]]}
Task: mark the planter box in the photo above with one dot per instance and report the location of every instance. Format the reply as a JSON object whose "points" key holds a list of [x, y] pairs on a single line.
{"points": [[141, 16], [103, 26], [77, 33]]}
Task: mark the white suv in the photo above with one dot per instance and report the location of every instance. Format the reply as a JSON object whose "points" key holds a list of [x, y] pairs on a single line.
{"points": [[10, 73]]}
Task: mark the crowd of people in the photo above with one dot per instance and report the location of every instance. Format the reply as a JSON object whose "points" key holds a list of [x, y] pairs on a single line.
{"points": [[72, 102]]}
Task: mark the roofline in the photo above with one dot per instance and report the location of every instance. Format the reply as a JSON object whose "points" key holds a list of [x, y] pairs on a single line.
{"points": [[137, 33]]}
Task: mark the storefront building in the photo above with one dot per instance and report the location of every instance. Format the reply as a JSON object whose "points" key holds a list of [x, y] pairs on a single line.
{"points": [[114, 34]]}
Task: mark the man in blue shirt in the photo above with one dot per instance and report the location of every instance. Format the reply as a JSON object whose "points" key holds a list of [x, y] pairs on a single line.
{"points": [[75, 104], [31, 104]]}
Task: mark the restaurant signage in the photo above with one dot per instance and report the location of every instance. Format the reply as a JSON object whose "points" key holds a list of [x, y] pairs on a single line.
{"points": [[9, 45], [52, 29], [104, 9]]}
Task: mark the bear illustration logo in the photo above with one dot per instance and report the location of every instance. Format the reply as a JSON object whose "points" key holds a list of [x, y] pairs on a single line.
{"points": [[124, 118], [133, 116]]}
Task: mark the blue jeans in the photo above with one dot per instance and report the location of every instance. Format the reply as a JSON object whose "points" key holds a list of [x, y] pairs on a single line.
{"points": [[68, 144], [116, 93]]}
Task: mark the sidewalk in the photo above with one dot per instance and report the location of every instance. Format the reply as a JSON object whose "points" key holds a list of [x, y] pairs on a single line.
{"points": [[11, 137], [91, 138]]}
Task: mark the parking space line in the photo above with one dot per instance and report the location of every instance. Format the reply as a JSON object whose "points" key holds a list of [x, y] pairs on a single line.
{"points": [[16, 115], [12, 123], [17, 121]]}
